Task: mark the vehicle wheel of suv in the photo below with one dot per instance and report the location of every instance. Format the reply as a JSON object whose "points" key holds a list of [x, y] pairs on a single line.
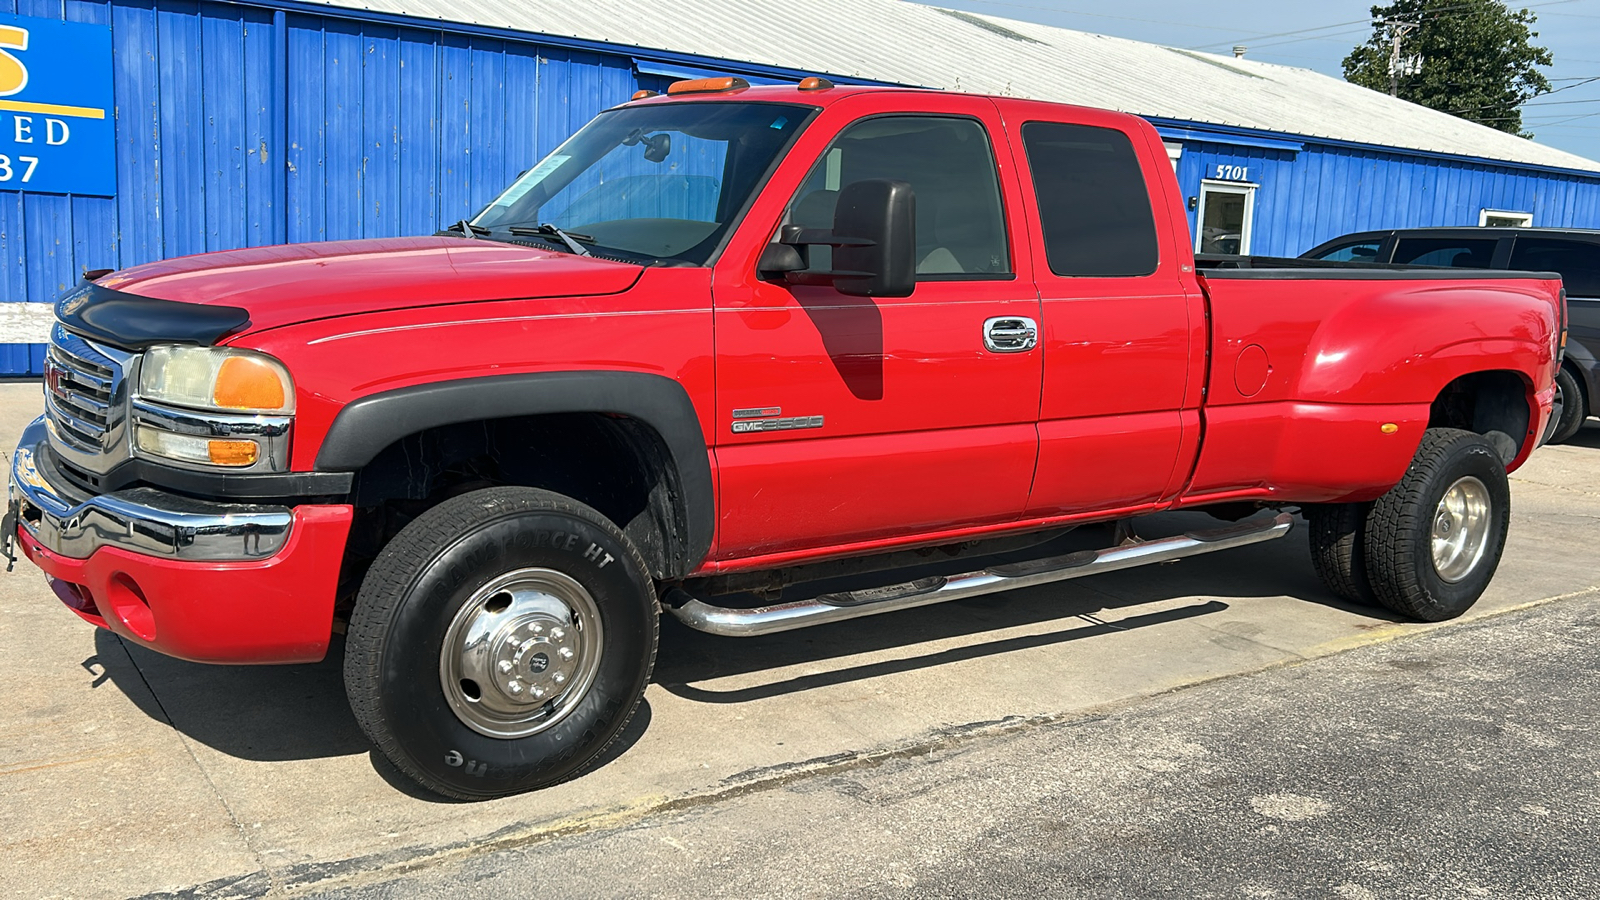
{"points": [[1571, 408], [1434, 541], [1338, 549], [500, 642]]}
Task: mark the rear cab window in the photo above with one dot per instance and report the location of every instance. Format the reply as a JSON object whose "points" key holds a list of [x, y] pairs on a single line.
{"points": [[1094, 204]]}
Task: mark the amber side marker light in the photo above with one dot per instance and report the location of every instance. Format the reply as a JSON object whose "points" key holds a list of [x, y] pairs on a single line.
{"points": [[707, 86], [815, 84], [640, 95]]}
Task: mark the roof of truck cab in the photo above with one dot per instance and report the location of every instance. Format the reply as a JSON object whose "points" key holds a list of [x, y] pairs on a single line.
{"points": [[897, 42]]}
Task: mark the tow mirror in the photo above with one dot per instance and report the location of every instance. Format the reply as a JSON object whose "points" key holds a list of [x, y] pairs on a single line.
{"points": [[874, 241], [876, 227]]}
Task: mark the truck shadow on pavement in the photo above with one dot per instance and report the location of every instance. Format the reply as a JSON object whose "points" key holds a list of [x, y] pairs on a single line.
{"points": [[1588, 436], [281, 713], [1093, 607]]}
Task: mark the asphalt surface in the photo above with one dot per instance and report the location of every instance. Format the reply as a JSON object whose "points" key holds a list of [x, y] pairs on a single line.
{"points": [[1460, 763]]}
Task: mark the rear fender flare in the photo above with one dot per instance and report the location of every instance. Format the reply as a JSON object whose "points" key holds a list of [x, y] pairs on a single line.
{"points": [[364, 427]]}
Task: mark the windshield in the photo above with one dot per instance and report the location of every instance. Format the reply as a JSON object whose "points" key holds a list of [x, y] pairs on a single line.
{"points": [[664, 181]]}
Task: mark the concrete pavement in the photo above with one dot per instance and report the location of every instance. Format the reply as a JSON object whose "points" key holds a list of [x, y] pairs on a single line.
{"points": [[126, 773]]}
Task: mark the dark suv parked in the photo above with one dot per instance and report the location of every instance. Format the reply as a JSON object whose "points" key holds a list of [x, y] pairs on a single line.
{"points": [[1573, 253]]}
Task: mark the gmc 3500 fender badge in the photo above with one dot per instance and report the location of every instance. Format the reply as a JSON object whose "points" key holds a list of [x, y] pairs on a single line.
{"points": [[768, 418]]}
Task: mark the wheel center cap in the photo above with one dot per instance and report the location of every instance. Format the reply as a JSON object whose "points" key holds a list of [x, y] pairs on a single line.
{"points": [[1445, 524]]}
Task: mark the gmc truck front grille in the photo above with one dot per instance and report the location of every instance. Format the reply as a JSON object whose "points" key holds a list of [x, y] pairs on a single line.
{"points": [[83, 395]]}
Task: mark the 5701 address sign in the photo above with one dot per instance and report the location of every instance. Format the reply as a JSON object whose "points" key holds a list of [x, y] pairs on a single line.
{"points": [[57, 126]]}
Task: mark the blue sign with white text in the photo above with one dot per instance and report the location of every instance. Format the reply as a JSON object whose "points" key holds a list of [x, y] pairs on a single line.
{"points": [[57, 129]]}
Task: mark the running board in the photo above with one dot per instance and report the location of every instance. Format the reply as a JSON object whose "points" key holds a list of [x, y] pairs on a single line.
{"points": [[927, 591]]}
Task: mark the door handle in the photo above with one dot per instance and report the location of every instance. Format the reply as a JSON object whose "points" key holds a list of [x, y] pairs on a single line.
{"points": [[1010, 334]]}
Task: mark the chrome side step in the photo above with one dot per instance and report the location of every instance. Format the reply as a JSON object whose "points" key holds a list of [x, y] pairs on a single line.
{"points": [[927, 591]]}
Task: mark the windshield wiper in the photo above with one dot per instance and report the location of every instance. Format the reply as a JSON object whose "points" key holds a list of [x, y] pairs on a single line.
{"points": [[569, 238], [466, 229]]}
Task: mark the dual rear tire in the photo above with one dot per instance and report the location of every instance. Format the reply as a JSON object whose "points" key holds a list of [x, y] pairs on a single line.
{"points": [[1428, 548]]}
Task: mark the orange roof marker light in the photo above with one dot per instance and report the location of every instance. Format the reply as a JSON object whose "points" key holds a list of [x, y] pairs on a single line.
{"points": [[640, 95], [815, 84], [707, 86]]}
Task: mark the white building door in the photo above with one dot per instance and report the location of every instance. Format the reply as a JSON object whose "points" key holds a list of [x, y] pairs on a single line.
{"points": [[1227, 213]]}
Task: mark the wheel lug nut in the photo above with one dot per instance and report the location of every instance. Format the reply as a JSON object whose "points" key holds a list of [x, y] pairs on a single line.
{"points": [[538, 692], [566, 652], [557, 633], [559, 678], [505, 666], [514, 687], [535, 627]]}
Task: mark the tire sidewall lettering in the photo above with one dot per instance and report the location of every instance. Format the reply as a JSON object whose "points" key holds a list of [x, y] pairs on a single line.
{"points": [[432, 737]]}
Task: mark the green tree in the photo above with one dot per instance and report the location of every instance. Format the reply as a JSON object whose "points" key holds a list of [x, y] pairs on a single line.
{"points": [[1470, 58]]}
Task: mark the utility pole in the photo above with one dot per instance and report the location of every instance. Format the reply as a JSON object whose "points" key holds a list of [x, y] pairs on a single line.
{"points": [[1397, 66]]}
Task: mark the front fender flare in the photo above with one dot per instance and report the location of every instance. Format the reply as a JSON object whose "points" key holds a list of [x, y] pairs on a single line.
{"points": [[364, 427]]}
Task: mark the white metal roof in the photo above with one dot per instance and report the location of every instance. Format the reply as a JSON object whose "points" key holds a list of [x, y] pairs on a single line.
{"points": [[908, 43]]}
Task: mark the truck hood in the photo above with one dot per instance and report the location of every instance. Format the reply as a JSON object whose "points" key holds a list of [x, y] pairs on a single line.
{"points": [[299, 282]]}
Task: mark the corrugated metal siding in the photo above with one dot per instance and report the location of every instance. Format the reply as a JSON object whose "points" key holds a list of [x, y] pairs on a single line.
{"points": [[241, 126], [1320, 193], [387, 131]]}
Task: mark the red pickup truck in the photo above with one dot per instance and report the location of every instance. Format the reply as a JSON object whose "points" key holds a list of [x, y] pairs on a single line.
{"points": [[760, 358]]}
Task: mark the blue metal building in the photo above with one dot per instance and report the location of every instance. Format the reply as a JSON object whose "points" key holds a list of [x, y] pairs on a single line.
{"points": [[271, 121]]}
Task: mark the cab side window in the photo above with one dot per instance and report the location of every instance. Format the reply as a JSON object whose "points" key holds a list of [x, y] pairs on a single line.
{"points": [[1093, 202], [1577, 262], [949, 163], [1458, 253], [1364, 251]]}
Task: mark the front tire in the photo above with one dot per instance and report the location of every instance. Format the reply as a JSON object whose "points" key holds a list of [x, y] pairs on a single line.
{"points": [[1571, 407], [500, 642], [1433, 542]]}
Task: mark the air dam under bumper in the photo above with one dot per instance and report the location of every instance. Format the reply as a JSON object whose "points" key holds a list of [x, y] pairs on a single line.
{"points": [[144, 573]]}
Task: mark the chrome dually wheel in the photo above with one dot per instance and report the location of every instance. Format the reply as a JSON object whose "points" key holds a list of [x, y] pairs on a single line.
{"points": [[1433, 542], [521, 653], [1461, 529]]}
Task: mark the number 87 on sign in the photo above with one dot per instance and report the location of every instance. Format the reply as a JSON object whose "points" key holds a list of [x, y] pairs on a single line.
{"points": [[56, 131]]}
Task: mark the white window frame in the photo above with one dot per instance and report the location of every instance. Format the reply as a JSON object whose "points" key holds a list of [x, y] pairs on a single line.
{"points": [[1248, 189], [1523, 219]]}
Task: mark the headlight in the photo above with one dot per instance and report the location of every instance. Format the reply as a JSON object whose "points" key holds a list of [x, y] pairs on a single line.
{"points": [[215, 378], [241, 401]]}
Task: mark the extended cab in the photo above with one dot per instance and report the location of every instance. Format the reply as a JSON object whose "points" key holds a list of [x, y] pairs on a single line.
{"points": [[762, 358]]}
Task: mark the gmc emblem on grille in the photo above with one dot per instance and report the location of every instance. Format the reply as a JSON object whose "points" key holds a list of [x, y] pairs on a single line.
{"points": [[52, 379]]}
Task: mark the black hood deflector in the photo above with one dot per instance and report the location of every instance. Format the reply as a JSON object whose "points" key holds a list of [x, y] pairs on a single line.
{"points": [[136, 323]]}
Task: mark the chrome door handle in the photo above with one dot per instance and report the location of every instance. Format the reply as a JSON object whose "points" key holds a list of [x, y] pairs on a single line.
{"points": [[1010, 334]]}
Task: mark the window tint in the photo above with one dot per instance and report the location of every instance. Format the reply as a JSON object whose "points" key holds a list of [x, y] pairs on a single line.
{"points": [[1365, 251], [1578, 262], [948, 162], [1092, 200], [1457, 253]]}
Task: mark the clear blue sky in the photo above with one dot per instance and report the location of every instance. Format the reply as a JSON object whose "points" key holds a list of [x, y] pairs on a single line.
{"points": [[1318, 35]]}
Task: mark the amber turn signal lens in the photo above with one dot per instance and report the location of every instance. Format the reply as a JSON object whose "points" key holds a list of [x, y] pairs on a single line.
{"points": [[233, 453], [640, 95], [815, 84], [707, 85], [247, 383]]}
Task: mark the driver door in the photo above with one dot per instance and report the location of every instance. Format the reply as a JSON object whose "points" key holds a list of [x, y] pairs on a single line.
{"points": [[853, 422]]}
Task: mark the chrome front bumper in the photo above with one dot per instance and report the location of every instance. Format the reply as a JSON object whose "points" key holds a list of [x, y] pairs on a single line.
{"points": [[71, 523]]}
